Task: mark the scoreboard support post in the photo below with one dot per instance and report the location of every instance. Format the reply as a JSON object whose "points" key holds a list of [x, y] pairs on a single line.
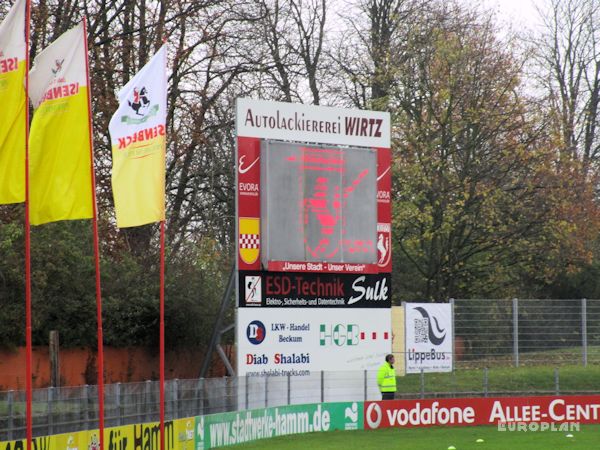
{"points": [[218, 330]]}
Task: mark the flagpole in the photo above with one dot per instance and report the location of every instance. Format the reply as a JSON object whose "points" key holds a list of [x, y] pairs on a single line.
{"points": [[28, 344], [162, 313], [162, 335], [96, 253]]}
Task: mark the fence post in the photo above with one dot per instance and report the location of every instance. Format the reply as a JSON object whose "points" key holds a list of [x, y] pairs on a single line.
{"points": [[175, 408], [515, 303], [422, 383], [584, 341], [118, 404], [485, 382], [453, 378], [266, 390], [148, 407], [365, 383], [322, 386], [227, 393], [9, 413], [556, 382], [246, 387], [453, 337], [200, 395], [50, 391], [86, 402]]}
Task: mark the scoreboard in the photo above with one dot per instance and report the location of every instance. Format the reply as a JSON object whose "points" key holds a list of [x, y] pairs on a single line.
{"points": [[314, 238], [318, 205]]}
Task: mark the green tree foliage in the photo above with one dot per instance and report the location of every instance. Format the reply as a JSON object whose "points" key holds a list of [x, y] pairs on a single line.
{"points": [[12, 287], [64, 297], [495, 186], [477, 199]]}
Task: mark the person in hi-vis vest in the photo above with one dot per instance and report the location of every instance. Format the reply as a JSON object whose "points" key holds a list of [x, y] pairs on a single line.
{"points": [[386, 378]]}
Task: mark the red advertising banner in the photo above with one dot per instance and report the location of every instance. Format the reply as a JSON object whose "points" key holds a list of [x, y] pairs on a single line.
{"points": [[384, 209], [482, 411], [322, 267], [248, 191]]}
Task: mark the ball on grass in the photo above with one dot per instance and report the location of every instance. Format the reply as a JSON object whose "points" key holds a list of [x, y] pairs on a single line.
{"points": [[452, 447], [569, 435], [479, 441]]}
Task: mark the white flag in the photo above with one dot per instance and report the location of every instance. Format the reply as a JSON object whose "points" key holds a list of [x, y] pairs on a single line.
{"points": [[13, 52], [138, 137], [62, 62], [12, 36], [60, 164]]}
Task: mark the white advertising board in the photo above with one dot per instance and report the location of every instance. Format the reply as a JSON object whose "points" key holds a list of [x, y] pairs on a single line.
{"points": [[298, 341], [428, 329], [309, 123]]}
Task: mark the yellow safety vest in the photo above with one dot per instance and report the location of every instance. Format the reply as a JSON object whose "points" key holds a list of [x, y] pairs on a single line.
{"points": [[386, 378]]}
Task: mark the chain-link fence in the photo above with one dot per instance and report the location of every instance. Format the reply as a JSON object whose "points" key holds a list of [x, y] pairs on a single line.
{"points": [[528, 332]]}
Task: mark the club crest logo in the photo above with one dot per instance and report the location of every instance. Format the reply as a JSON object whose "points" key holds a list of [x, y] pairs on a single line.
{"points": [[141, 107], [249, 239], [58, 65], [94, 443], [384, 242], [140, 102]]}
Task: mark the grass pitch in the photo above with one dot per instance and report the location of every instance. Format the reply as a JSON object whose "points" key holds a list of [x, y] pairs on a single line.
{"points": [[436, 438]]}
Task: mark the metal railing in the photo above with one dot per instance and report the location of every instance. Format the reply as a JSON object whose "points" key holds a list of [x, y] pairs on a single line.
{"points": [[62, 410], [497, 343], [69, 409]]}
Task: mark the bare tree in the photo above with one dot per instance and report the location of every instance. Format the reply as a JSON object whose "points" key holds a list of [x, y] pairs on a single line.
{"points": [[374, 47], [568, 53], [310, 17]]}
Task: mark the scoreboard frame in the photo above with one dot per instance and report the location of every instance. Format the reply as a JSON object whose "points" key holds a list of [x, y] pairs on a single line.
{"points": [[303, 284]]}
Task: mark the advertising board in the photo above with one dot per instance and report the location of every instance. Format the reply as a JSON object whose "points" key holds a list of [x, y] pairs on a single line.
{"points": [[297, 341], [277, 289], [428, 329], [180, 434], [210, 431], [548, 410], [309, 123], [246, 426]]}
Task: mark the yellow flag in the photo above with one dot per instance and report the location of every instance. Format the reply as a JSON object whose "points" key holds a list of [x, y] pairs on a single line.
{"points": [[60, 165], [13, 50], [137, 132]]}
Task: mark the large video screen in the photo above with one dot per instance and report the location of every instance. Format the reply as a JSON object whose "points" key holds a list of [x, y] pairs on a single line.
{"points": [[318, 203]]}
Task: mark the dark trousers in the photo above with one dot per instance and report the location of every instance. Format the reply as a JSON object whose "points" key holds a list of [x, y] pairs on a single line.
{"points": [[387, 395]]}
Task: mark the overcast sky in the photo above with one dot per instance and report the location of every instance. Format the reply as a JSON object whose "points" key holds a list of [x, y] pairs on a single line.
{"points": [[519, 12]]}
